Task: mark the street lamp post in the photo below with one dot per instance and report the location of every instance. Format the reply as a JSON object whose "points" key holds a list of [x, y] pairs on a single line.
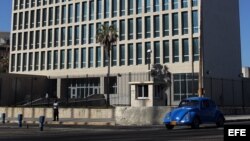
{"points": [[149, 62]]}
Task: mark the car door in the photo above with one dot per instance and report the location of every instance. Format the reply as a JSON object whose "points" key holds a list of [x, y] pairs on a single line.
{"points": [[205, 111]]}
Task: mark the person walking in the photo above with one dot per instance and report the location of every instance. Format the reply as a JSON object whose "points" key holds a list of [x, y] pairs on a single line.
{"points": [[55, 110]]}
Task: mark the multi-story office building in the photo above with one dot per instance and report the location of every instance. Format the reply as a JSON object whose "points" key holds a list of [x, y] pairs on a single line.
{"points": [[56, 38]]}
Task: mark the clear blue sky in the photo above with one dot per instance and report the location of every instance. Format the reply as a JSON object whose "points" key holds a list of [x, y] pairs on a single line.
{"points": [[5, 24]]}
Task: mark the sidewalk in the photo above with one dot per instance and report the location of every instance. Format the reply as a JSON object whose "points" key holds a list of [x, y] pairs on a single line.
{"points": [[103, 122]]}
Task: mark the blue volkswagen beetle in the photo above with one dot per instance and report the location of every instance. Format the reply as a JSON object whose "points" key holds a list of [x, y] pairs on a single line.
{"points": [[193, 112]]}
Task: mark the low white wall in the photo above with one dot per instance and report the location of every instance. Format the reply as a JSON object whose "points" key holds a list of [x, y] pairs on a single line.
{"points": [[140, 115], [77, 113]]}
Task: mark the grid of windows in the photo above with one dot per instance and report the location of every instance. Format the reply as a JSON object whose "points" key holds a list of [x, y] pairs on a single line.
{"points": [[45, 18]]}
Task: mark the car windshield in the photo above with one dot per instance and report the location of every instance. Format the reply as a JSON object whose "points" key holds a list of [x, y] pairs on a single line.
{"points": [[192, 103]]}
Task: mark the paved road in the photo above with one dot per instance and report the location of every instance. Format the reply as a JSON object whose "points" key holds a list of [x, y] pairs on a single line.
{"points": [[155, 133]]}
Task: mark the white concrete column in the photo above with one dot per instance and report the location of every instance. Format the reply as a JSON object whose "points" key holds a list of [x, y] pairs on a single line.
{"points": [[58, 87]]}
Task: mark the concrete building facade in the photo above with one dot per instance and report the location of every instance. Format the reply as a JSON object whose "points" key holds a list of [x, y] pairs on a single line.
{"points": [[56, 38]]}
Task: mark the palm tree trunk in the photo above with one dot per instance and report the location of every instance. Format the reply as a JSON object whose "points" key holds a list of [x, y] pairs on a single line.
{"points": [[108, 74]]}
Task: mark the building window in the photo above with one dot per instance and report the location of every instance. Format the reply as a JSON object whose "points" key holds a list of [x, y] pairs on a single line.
{"points": [[76, 58], [138, 6], [63, 19], [114, 24], [157, 52], [156, 6], [38, 13], [16, 4], [50, 38], [25, 40], [32, 19], [21, 20], [195, 49], [175, 4], [32, 3], [195, 21], [176, 51], [91, 57], [147, 6], [91, 10], [147, 55], [63, 34], [38, 3], [175, 24], [138, 53], [122, 29], [13, 62], [43, 38], [184, 22], [138, 28], [91, 33], [26, 22], [70, 13], [130, 29], [57, 15], [98, 56], [106, 8], [55, 59], [165, 25], [21, 4], [114, 56], [14, 41], [77, 12], [165, 51], [84, 11], [165, 4], [147, 27], [194, 3], [44, 16], [19, 46], [84, 34], [185, 50], [49, 65], [156, 26], [130, 7], [114, 8], [18, 62], [44, 2], [130, 54], [56, 37], [37, 39], [99, 9], [77, 34], [83, 58], [69, 36], [105, 59], [15, 22], [31, 40], [184, 3], [62, 59], [43, 60], [142, 91], [50, 16], [69, 59], [122, 7], [30, 61], [122, 55], [185, 86], [24, 62]]}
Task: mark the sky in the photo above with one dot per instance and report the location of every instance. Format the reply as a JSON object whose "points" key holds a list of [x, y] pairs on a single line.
{"points": [[5, 25]]}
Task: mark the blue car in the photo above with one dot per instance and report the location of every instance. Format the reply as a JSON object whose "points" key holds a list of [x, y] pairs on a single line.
{"points": [[193, 112]]}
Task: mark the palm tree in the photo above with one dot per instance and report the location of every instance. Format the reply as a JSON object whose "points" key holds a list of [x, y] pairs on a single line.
{"points": [[107, 36]]}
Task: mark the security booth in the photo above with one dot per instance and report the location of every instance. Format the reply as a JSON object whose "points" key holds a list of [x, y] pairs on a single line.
{"points": [[147, 94]]}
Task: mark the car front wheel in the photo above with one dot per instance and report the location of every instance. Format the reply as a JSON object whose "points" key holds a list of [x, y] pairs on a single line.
{"points": [[169, 127], [196, 123]]}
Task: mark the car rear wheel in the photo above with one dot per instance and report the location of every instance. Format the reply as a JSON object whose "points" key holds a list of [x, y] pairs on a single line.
{"points": [[196, 123], [169, 127], [220, 122]]}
